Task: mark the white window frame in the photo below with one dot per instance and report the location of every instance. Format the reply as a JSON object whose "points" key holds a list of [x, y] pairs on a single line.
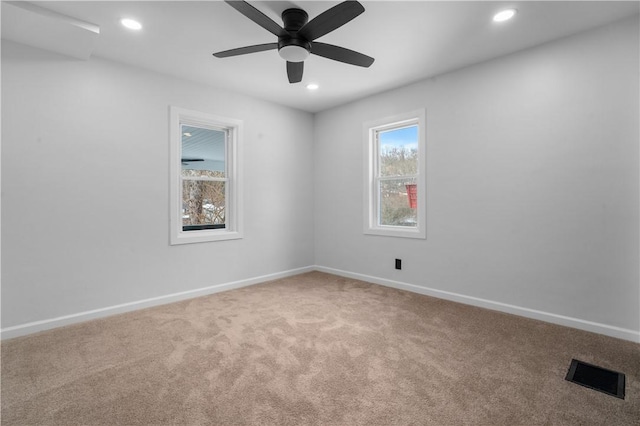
{"points": [[233, 179], [371, 179]]}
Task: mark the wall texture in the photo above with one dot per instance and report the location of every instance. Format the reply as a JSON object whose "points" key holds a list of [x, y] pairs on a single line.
{"points": [[85, 178], [532, 183]]}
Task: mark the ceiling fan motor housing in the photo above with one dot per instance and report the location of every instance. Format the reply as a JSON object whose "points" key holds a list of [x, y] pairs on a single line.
{"points": [[290, 46]]}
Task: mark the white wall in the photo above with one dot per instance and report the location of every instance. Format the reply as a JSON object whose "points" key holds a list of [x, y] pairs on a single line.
{"points": [[532, 193], [85, 181]]}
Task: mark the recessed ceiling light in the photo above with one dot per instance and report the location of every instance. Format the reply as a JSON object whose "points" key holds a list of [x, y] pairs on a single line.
{"points": [[131, 24], [504, 15], [313, 86]]}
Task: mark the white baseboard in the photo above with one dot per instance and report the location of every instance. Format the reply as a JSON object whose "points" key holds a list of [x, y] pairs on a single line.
{"points": [[607, 330], [36, 326]]}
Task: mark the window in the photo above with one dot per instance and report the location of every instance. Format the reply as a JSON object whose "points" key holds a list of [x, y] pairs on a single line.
{"points": [[395, 176], [205, 181]]}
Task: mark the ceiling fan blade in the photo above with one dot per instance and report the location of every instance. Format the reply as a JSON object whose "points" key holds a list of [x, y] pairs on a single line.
{"points": [[294, 71], [341, 54], [331, 19], [258, 17], [246, 50]]}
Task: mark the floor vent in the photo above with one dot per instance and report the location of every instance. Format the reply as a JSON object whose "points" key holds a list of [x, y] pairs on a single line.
{"points": [[597, 378]]}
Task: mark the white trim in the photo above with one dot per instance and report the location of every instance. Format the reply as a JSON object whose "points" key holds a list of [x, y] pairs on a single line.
{"points": [[594, 327], [370, 191], [36, 326], [233, 165], [607, 330]]}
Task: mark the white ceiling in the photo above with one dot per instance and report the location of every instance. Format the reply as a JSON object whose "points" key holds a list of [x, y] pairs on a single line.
{"points": [[409, 40]]}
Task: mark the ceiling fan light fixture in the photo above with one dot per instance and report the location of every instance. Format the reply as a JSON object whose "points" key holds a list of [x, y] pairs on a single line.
{"points": [[293, 53]]}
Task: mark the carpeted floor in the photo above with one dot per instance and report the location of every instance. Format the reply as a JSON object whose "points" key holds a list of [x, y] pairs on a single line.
{"points": [[314, 349]]}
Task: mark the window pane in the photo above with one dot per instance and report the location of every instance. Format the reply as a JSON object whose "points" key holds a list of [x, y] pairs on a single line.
{"points": [[203, 203], [398, 150], [395, 206], [203, 151], [201, 173]]}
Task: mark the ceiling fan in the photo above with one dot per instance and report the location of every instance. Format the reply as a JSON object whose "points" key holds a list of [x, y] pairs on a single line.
{"points": [[296, 41]]}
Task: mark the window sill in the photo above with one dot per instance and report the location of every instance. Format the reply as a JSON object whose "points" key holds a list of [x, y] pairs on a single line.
{"points": [[396, 231], [204, 236]]}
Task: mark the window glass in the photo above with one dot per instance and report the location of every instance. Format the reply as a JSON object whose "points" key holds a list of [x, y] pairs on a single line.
{"points": [[398, 151], [398, 168], [203, 178], [395, 205]]}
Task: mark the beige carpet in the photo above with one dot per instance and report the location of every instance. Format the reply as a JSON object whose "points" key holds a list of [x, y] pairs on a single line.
{"points": [[314, 349]]}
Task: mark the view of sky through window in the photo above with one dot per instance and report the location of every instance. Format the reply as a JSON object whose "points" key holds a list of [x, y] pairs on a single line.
{"points": [[405, 138]]}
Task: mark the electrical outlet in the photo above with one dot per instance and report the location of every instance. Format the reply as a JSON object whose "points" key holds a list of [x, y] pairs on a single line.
{"points": [[398, 263]]}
